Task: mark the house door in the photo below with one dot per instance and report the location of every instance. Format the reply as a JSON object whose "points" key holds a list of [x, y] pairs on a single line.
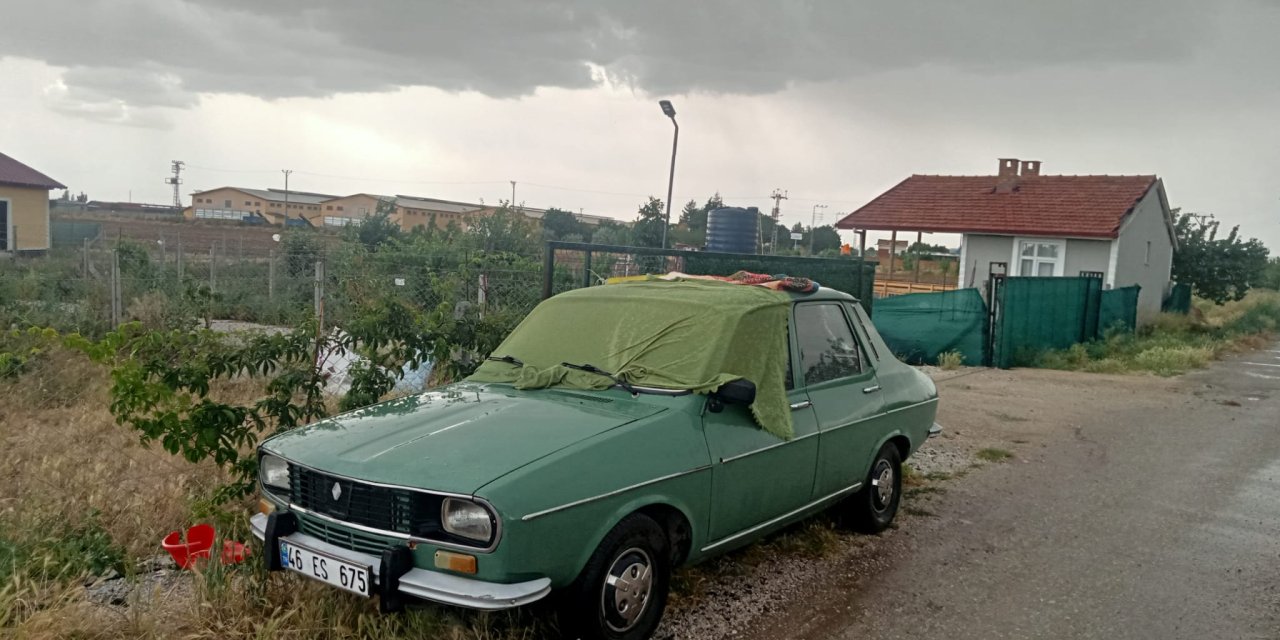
{"points": [[4, 225]]}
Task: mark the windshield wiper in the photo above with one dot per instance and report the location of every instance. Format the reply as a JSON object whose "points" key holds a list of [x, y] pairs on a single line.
{"points": [[590, 368], [511, 360]]}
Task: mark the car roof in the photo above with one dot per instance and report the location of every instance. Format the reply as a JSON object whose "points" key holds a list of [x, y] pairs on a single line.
{"points": [[823, 293]]}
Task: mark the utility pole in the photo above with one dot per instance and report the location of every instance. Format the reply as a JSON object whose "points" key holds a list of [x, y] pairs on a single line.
{"points": [[176, 166], [812, 221], [778, 196], [513, 193], [286, 173]]}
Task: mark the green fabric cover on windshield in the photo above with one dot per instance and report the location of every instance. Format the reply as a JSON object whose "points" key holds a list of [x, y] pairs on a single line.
{"points": [[684, 334]]}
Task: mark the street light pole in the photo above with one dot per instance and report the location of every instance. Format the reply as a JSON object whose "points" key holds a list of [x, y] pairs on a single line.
{"points": [[812, 221], [670, 112], [286, 173]]}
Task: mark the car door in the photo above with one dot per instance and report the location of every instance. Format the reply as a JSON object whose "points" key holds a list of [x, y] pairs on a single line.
{"points": [[841, 384], [757, 476]]}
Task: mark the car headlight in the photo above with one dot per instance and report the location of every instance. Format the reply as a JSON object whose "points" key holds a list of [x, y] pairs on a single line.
{"points": [[467, 519], [274, 472]]}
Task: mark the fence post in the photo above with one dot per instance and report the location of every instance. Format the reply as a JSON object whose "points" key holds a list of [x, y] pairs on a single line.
{"points": [[271, 275], [84, 259], [319, 297], [179, 262], [586, 268], [116, 311], [548, 270]]}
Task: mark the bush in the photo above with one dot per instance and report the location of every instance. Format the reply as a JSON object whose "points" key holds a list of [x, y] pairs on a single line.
{"points": [[950, 360]]}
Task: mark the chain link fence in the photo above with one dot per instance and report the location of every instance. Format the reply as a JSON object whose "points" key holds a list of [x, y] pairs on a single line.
{"points": [[102, 283]]}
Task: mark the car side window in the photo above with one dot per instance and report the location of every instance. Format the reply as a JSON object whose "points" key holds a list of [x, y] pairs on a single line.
{"points": [[828, 349], [856, 315]]}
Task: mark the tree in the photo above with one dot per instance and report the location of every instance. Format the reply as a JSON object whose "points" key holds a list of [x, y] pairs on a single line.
{"points": [[825, 238], [377, 229], [614, 234], [713, 203], [1218, 269], [925, 247], [693, 216], [647, 230], [1271, 279], [503, 230], [559, 225]]}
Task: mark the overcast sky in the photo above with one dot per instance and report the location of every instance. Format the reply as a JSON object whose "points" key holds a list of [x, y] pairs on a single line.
{"points": [[832, 101]]}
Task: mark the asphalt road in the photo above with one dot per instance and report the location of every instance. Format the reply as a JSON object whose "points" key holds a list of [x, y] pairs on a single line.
{"points": [[1156, 518]]}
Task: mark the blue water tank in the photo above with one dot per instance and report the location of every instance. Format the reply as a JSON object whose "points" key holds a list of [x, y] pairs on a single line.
{"points": [[733, 230]]}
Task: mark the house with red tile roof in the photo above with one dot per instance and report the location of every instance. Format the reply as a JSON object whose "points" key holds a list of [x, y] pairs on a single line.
{"points": [[1119, 228], [24, 207]]}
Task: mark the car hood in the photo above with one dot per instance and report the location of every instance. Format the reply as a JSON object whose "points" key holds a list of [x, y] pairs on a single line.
{"points": [[456, 439]]}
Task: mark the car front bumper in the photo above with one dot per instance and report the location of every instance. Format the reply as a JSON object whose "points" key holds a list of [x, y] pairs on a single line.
{"points": [[424, 584]]}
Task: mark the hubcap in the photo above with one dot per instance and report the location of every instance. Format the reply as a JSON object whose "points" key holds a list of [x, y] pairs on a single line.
{"points": [[883, 482], [626, 589]]}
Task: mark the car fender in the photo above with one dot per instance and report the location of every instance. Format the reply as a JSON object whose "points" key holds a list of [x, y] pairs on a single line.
{"points": [[627, 505]]}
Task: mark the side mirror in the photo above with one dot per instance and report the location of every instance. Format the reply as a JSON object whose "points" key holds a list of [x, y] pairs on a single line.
{"points": [[740, 391]]}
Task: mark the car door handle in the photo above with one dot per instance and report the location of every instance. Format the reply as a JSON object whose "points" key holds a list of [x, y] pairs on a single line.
{"points": [[801, 405], [871, 389]]}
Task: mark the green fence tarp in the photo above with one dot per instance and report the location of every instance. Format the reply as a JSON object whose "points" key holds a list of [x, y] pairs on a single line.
{"points": [[840, 274], [918, 327], [73, 234], [1037, 314], [1178, 300], [1118, 310]]}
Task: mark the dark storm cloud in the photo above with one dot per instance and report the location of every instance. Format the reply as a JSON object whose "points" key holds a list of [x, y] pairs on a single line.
{"points": [[165, 52]]}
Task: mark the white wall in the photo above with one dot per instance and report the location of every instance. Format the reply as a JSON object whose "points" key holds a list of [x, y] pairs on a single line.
{"points": [[1146, 224], [979, 252], [1086, 255]]}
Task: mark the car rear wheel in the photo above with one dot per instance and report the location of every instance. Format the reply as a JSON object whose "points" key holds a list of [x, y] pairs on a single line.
{"points": [[621, 593], [872, 508]]}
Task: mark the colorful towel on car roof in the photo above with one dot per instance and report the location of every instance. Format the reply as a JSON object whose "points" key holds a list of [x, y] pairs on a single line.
{"points": [[775, 282]]}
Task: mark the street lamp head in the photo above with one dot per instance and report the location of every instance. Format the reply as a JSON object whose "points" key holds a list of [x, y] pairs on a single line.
{"points": [[667, 109]]}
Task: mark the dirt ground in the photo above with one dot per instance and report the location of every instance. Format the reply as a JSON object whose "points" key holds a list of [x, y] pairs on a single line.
{"points": [[1015, 411]]}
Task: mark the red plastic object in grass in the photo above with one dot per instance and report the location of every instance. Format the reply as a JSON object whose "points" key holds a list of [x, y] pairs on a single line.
{"points": [[233, 552], [199, 543]]}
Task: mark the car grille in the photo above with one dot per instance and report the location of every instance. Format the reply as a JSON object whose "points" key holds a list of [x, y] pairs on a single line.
{"points": [[369, 505], [344, 537]]}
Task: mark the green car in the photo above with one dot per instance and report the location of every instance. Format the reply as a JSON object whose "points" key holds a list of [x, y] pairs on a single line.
{"points": [[618, 432]]}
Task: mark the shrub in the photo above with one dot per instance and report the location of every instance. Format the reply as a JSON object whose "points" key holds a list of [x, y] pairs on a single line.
{"points": [[950, 360]]}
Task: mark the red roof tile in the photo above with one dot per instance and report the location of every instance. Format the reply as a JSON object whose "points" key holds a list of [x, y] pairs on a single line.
{"points": [[13, 172], [1077, 206]]}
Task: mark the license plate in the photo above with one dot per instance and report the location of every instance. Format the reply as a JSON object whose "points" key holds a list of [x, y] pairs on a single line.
{"points": [[327, 569]]}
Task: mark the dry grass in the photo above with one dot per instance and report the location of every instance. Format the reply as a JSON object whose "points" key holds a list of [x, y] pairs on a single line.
{"points": [[1173, 344], [78, 487]]}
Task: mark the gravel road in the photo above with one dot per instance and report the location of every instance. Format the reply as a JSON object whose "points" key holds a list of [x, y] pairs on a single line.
{"points": [[1134, 507]]}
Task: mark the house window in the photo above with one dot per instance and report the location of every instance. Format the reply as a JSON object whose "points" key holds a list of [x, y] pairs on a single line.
{"points": [[339, 207], [248, 203], [1041, 258], [226, 204]]}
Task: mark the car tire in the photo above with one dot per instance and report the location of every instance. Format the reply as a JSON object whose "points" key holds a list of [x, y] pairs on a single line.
{"points": [[622, 591], [873, 507]]}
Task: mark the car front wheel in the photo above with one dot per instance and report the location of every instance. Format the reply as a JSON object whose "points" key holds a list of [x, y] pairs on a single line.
{"points": [[621, 593], [872, 508]]}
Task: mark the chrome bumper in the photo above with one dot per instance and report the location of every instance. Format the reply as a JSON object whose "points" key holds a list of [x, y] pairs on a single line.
{"points": [[427, 585]]}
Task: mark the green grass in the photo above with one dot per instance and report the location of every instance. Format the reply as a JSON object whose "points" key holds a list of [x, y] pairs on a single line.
{"points": [[1174, 344], [950, 360], [993, 455]]}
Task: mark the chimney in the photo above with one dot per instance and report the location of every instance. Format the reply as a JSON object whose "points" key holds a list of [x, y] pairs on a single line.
{"points": [[1008, 176], [1008, 168], [1030, 168]]}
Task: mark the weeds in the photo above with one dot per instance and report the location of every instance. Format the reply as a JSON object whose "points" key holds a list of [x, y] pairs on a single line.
{"points": [[950, 360], [1173, 344], [993, 455]]}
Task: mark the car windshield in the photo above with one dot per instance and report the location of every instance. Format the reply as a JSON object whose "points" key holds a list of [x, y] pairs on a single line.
{"points": [[687, 335]]}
